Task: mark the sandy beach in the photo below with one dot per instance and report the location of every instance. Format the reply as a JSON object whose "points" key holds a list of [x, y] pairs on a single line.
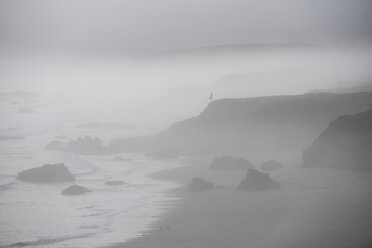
{"points": [[313, 208]]}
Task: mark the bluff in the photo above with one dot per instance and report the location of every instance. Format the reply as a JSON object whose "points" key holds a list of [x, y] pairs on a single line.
{"points": [[345, 144], [268, 123]]}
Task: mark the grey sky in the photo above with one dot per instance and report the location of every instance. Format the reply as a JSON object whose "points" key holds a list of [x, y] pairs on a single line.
{"points": [[113, 25]]}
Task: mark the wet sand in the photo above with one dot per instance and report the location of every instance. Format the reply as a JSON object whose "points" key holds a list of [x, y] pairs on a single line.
{"points": [[313, 208]]}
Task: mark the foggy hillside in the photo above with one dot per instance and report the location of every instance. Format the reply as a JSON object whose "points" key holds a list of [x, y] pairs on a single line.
{"points": [[345, 144], [254, 124]]}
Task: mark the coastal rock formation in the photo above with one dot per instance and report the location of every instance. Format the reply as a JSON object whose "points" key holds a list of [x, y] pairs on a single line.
{"points": [[268, 123], [86, 145], [345, 144], [270, 165], [256, 181], [48, 173], [114, 183], [228, 163], [75, 190], [82, 145], [199, 184]]}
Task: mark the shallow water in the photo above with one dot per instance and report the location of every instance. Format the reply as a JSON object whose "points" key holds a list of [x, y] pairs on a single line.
{"points": [[33, 215]]}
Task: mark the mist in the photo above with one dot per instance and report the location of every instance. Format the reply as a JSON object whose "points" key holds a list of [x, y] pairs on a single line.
{"points": [[185, 123]]}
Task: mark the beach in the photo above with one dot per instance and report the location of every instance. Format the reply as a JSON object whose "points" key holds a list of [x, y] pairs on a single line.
{"points": [[313, 208]]}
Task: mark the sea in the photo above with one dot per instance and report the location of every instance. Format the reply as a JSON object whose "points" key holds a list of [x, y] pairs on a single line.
{"points": [[37, 215]]}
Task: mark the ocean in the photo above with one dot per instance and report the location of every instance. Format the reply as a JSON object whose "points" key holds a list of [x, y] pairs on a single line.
{"points": [[37, 215]]}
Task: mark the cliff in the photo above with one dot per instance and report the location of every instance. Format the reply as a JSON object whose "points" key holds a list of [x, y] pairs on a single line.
{"points": [[253, 124], [345, 144]]}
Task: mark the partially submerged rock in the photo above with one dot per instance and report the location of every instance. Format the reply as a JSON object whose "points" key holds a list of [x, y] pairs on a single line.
{"points": [[199, 184], [83, 145], [86, 145], [270, 165], [114, 183], [256, 181], [75, 190], [48, 173], [229, 163]]}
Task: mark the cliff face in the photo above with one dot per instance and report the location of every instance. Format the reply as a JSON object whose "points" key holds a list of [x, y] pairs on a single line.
{"points": [[345, 144], [259, 123]]}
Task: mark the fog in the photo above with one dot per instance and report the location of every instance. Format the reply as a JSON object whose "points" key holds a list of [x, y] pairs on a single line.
{"points": [[185, 123]]}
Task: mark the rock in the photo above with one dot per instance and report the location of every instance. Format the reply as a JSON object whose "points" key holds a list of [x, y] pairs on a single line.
{"points": [[83, 145], [75, 190], [86, 145], [48, 173], [114, 183], [199, 184], [257, 181], [270, 165], [228, 163], [345, 144], [54, 145]]}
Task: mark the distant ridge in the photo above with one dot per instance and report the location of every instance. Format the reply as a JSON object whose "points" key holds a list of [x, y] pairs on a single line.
{"points": [[228, 49]]}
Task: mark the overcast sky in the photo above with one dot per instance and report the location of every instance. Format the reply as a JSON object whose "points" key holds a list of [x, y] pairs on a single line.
{"points": [[126, 25]]}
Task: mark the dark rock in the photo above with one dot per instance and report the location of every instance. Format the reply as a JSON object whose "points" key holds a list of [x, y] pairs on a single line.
{"points": [[86, 145], [48, 173], [75, 190], [228, 163], [114, 183], [257, 181], [345, 144], [82, 145], [199, 184], [270, 165]]}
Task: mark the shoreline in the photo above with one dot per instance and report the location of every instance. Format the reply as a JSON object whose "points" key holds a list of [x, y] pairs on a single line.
{"points": [[304, 212]]}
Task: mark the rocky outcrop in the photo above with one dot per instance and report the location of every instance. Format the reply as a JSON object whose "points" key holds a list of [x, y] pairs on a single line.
{"points": [[270, 123], [345, 144], [83, 145], [257, 181], [48, 173], [75, 190], [270, 165], [228, 163], [199, 184]]}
